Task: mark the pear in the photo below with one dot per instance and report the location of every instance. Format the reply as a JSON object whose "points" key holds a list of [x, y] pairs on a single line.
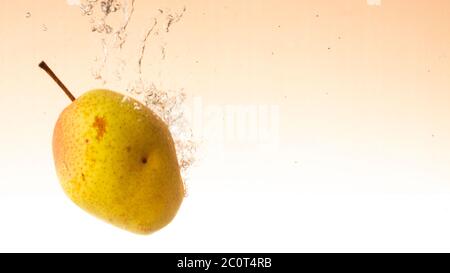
{"points": [[116, 159]]}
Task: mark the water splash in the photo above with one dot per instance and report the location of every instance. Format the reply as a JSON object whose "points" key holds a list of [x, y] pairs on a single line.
{"points": [[174, 18], [143, 46], [167, 104], [121, 33], [109, 6], [87, 8]]}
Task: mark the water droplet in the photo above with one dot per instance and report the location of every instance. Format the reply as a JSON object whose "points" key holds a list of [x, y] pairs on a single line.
{"points": [[28, 14], [108, 29], [86, 9], [44, 27], [109, 6]]}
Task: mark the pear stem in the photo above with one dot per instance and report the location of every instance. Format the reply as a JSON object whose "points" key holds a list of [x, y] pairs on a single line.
{"points": [[47, 69]]}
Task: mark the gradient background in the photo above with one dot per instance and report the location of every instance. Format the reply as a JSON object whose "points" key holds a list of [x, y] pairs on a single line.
{"points": [[363, 157]]}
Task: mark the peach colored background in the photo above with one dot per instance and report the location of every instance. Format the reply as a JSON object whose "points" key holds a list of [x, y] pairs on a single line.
{"points": [[364, 124]]}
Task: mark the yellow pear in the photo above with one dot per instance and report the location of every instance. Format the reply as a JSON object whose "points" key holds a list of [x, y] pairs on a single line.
{"points": [[116, 159]]}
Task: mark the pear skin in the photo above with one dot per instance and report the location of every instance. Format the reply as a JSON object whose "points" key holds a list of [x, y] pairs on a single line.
{"points": [[116, 160]]}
